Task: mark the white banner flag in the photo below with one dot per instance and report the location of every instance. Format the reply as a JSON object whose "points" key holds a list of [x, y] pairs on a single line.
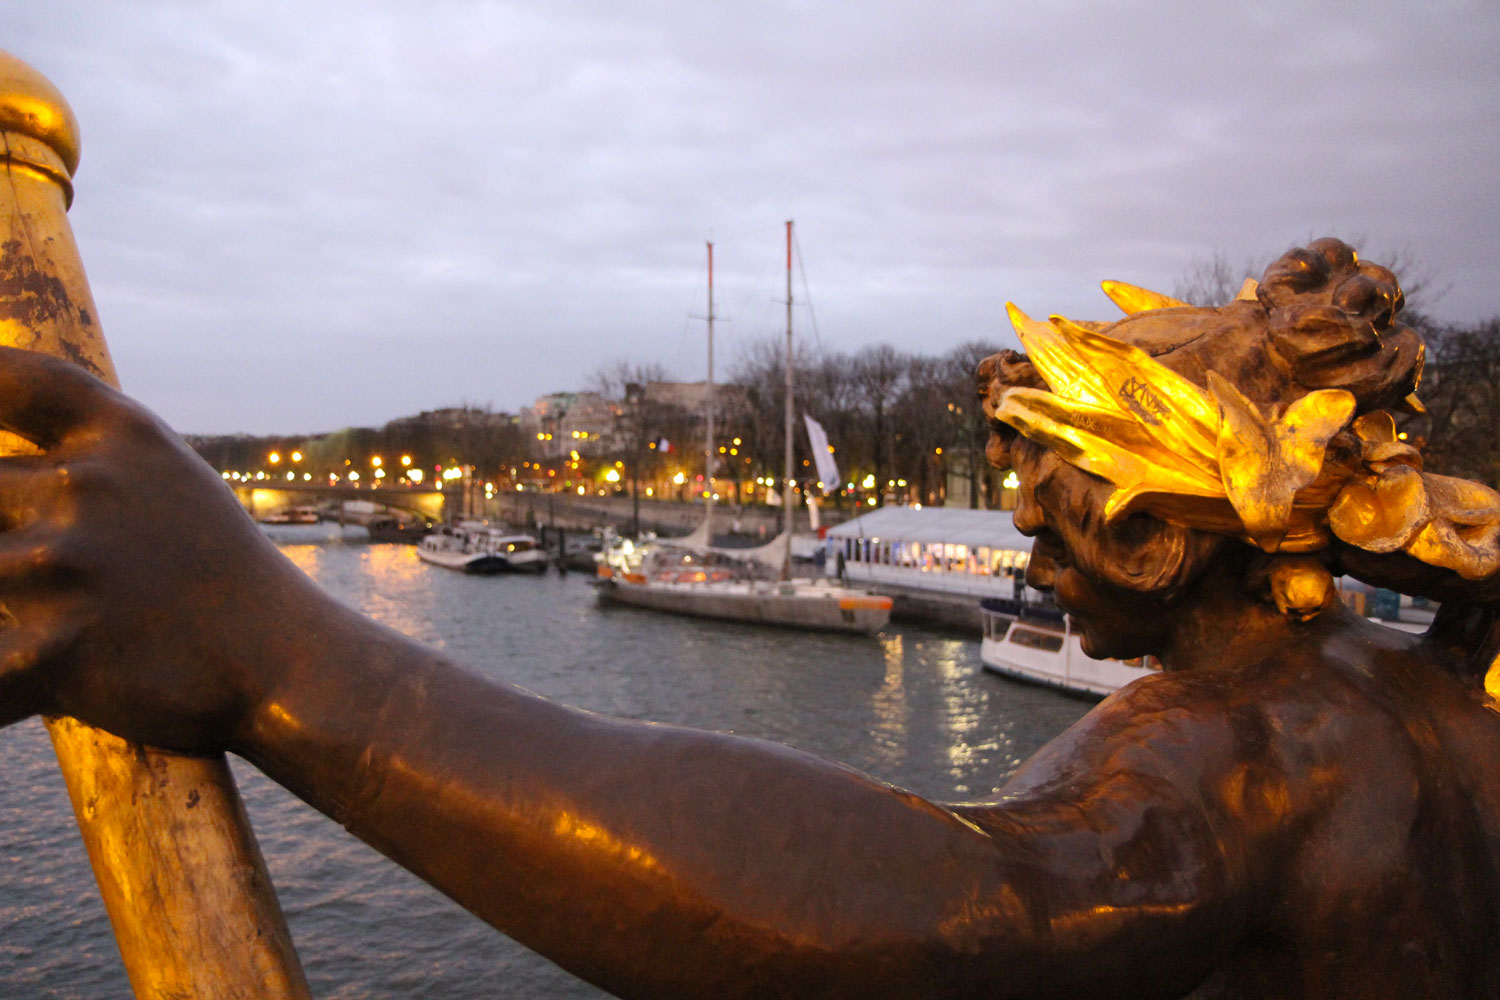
{"points": [[828, 469]]}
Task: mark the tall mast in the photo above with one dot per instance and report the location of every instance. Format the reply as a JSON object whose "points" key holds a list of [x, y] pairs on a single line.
{"points": [[708, 447], [786, 487]]}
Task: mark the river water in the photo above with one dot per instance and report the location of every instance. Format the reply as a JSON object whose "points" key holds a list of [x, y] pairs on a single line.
{"points": [[910, 706]]}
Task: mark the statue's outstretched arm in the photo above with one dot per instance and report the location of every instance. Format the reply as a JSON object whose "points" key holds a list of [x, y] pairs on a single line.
{"points": [[653, 860]]}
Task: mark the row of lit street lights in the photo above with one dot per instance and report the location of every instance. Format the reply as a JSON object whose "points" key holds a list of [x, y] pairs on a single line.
{"points": [[605, 478]]}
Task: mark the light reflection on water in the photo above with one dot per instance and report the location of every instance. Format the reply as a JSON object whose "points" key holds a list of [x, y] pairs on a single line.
{"points": [[889, 704], [911, 707]]}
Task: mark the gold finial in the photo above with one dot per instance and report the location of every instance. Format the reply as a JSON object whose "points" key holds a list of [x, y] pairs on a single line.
{"points": [[40, 130]]}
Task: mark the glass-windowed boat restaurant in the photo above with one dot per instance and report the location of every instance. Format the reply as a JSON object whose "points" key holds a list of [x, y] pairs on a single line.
{"points": [[937, 562]]}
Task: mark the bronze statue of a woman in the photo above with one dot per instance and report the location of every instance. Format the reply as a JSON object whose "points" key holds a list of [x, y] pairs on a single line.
{"points": [[1303, 804]]}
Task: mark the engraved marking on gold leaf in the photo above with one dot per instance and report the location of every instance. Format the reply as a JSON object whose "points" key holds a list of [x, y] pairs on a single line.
{"points": [[1193, 422], [1143, 402]]}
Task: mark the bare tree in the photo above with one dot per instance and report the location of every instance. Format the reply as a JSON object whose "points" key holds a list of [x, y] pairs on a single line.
{"points": [[829, 392], [610, 379], [759, 373], [969, 431], [1213, 280], [1461, 391], [644, 419], [878, 375], [924, 428]]}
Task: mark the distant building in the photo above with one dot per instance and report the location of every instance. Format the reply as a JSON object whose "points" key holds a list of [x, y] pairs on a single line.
{"points": [[563, 422], [689, 396], [452, 418], [692, 397], [590, 423]]}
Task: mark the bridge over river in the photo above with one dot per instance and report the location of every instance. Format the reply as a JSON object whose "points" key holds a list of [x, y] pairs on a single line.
{"points": [[424, 502]]}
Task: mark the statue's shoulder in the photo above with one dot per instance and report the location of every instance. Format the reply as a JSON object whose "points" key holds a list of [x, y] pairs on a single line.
{"points": [[1278, 711], [1178, 728]]}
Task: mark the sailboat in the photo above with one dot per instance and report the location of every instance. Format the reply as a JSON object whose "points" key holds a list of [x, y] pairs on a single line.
{"points": [[691, 577]]}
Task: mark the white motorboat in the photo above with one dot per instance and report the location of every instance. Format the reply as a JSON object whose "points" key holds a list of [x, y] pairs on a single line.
{"points": [[292, 515], [1039, 645], [473, 547], [689, 577]]}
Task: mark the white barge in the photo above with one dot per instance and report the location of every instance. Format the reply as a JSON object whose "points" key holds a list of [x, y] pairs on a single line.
{"points": [[936, 563]]}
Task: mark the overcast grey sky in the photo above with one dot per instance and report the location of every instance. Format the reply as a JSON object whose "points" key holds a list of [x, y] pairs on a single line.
{"points": [[302, 216]]}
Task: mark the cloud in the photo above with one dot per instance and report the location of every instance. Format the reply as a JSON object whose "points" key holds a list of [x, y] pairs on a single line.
{"points": [[298, 217]]}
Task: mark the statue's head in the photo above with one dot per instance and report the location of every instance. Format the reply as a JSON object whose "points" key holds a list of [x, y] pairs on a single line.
{"points": [[1260, 435]]}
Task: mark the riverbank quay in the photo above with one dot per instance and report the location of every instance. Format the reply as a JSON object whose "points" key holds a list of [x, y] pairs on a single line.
{"points": [[665, 517]]}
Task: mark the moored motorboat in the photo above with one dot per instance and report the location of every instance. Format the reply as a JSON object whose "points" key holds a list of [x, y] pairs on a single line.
{"points": [[1039, 645], [477, 548], [395, 529], [292, 515]]}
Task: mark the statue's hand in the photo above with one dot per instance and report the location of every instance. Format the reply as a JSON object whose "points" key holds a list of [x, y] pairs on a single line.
{"points": [[135, 593]]}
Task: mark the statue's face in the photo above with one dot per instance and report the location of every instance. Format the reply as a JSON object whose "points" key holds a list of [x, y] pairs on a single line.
{"points": [[1061, 508]]}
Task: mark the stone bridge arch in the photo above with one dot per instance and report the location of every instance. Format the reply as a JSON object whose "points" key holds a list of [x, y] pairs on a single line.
{"points": [[262, 497]]}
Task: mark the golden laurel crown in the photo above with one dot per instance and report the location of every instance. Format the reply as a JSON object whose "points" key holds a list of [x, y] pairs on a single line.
{"points": [[1206, 457]]}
